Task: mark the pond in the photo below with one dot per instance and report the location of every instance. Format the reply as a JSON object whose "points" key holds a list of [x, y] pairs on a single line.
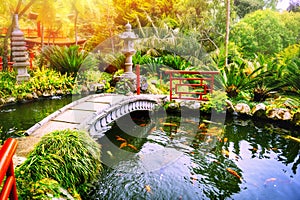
{"points": [[168, 157], [16, 118], [155, 156]]}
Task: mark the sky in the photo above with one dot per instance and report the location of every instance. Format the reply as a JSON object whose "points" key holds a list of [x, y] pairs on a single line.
{"points": [[283, 4]]}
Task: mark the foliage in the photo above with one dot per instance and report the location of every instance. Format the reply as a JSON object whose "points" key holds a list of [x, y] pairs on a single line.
{"points": [[68, 59], [292, 76], [216, 101], [244, 7], [47, 80], [91, 77], [233, 76], [7, 83], [264, 32], [72, 158]]}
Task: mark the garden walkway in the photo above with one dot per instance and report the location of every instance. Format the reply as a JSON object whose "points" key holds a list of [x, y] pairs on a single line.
{"points": [[91, 113]]}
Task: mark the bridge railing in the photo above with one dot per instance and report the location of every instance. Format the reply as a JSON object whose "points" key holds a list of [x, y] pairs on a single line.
{"points": [[9, 189], [191, 88]]}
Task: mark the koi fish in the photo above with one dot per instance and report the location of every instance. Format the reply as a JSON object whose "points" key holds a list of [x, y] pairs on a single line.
{"points": [[269, 180], [120, 139], [133, 147], [124, 144], [225, 152], [202, 126], [292, 138], [148, 188], [169, 124], [234, 173]]}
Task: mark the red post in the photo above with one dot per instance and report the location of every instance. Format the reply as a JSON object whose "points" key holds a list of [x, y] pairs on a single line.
{"points": [[171, 79], [7, 151], [1, 63], [138, 80], [31, 56]]}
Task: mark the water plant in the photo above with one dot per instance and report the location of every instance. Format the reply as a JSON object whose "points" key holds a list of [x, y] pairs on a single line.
{"points": [[70, 157]]}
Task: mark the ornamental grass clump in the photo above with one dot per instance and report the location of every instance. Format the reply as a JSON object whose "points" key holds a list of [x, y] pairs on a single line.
{"points": [[72, 158]]}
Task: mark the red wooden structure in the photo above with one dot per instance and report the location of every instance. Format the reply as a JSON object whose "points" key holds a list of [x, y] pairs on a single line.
{"points": [[203, 85], [10, 64], [9, 189], [138, 80]]}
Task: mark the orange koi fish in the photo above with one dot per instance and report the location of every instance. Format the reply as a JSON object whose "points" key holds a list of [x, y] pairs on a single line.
{"points": [[234, 173]]}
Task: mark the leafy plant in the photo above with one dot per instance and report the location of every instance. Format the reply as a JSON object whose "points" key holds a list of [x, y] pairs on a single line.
{"points": [[68, 59], [72, 158], [215, 101]]}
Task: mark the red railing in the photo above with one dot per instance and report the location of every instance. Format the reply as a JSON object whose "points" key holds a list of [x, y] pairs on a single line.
{"points": [[9, 189], [194, 91], [10, 64]]}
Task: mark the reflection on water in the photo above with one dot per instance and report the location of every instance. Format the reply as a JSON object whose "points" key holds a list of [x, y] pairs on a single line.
{"points": [[173, 158], [19, 117]]}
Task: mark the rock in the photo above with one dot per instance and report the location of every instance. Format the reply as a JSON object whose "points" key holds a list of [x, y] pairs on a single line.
{"points": [[2, 101], [35, 96], [39, 93], [229, 106], [259, 110], [194, 105], [11, 100], [59, 92], [279, 114], [29, 96], [296, 118], [46, 94], [173, 106], [242, 108], [84, 90]]}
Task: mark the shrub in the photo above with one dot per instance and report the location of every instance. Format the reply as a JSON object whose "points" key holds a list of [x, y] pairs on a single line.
{"points": [[70, 157], [68, 59]]}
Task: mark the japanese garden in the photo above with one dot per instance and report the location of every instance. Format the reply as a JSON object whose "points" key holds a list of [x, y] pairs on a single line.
{"points": [[155, 99]]}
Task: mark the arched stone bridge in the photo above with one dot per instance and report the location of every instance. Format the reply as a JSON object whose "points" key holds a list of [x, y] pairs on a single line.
{"points": [[93, 113]]}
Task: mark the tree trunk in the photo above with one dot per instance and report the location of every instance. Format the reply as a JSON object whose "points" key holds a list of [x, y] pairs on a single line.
{"points": [[227, 31]]}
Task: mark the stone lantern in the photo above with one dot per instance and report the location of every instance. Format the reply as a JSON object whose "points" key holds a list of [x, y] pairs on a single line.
{"points": [[19, 52], [128, 36]]}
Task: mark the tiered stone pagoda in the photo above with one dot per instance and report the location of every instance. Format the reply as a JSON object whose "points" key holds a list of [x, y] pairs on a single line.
{"points": [[20, 55], [128, 36]]}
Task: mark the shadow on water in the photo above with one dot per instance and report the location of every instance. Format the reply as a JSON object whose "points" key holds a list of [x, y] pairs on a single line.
{"points": [[174, 158]]}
